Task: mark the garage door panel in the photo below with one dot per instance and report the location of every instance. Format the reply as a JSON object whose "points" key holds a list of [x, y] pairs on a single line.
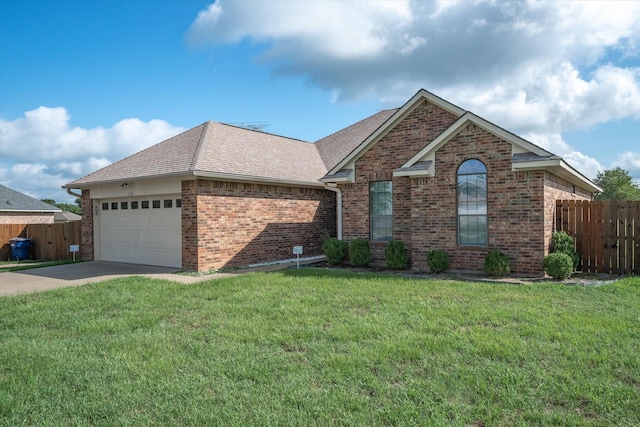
{"points": [[142, 236]]}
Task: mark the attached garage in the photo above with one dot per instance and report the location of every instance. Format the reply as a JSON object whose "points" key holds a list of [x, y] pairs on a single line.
{"points": [[141, 230]]}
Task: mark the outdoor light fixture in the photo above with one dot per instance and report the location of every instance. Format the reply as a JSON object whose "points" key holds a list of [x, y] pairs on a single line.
{"points": [[124, 185]]}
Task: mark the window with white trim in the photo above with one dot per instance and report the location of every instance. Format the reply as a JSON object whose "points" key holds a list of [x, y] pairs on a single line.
{"points": [[381, 210], [472, 203]]}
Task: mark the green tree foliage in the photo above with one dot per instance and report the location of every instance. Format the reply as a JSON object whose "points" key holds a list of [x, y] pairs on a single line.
{"points": [[617, 184], [68, 207]]}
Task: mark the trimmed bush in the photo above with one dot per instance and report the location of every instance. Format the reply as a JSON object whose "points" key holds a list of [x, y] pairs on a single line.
{"points": [[395, 255], [563, 243], [558, 265], [359, 253], [335, 250], [496, 263], [438, 261]]}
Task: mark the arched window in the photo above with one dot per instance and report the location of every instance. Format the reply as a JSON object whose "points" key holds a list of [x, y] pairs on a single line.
{"points": [[472, 203]]}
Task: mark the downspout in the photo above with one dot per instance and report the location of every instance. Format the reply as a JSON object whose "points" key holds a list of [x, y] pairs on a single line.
{"points": [[334, 188]]}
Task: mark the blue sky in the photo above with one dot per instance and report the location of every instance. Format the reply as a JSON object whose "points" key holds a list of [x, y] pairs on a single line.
{"points": [[86, 83]]}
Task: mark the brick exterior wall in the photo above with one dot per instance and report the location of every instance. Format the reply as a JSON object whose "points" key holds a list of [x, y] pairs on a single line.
{"points": [[227, 224], [515, 206], [26, 218], [87, 227], [420, 127], [520, 204]]}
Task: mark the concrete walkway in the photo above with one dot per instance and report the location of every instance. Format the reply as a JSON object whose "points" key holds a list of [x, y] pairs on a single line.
{"points": [[40, 279]]}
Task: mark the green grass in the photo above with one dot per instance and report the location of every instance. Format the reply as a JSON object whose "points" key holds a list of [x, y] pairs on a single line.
{"points": [[316, 347]]}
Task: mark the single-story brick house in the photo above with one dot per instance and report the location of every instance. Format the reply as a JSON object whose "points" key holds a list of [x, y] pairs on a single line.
{"points": [[429, 174], [18, 208]]}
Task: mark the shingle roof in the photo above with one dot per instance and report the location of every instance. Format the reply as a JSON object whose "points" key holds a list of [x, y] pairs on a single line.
{"points": [[11, 200], [220, 150], [337, 146], [237, 151]]}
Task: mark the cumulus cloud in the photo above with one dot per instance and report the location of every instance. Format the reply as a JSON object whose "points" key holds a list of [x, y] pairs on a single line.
{"points": [[536, 68], [630, 161], [42, 151]]}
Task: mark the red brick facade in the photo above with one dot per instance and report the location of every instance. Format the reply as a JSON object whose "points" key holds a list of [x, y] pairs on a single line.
{"points": [[520, 204], [425, 123], [228, 224], [87, 226]]}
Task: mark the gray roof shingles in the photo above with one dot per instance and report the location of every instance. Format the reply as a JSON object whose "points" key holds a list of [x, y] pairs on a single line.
{"points": [[217, 149], [337, 146], [11, 200]]}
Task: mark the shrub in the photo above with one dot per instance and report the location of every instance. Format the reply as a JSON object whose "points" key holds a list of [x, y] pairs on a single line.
{"points": [[496, 263], [563, 243], [395, 255], [359, 253], [335, 250], [438, 261], [558, 265]]}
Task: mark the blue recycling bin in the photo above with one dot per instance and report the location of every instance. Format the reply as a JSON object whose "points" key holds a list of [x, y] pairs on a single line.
{"points": [[20, 248]]}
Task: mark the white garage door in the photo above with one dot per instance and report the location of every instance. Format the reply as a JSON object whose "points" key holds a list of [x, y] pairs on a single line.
{"points": [[142, 230]]}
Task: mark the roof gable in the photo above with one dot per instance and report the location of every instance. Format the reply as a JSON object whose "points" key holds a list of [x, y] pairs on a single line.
{"points": [[391, 122], [14, 201], [520, 145], [525, 155]]}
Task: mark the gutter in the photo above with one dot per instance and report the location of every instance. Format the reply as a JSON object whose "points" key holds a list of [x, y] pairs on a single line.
{"points": [[335, 189], [72, 193]]}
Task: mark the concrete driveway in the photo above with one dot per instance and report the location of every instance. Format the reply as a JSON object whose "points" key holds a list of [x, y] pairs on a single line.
{"points": [[40, 279]]}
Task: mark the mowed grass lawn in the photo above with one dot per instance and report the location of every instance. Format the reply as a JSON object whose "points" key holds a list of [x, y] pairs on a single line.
{"points": [[315, 347]]}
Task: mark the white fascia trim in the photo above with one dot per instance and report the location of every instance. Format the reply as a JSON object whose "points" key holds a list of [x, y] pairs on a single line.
{"points": [[561, 168], [344, 179], [30, 210], [256, 179], [463, 121], [89, 185], [415, 174], [399, 115]]}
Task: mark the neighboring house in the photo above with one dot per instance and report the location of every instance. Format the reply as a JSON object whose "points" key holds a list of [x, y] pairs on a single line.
{"points": [[64, 216], [18, 208], [429, 174]]}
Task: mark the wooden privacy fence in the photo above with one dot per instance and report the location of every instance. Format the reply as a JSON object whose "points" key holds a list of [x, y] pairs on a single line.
{"points": [[606, 233], [49, 241]]}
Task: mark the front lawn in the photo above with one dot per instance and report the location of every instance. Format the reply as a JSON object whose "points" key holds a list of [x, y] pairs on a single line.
{"points": [[315, 347]]}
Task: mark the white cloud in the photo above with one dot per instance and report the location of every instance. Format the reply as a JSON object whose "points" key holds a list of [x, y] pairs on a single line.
{"points": [[42, 151], [340, 30], [585, 164], [535, 68], [630, 162]]}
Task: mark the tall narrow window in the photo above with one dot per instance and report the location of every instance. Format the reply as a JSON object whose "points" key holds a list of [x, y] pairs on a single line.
{"points": [[381, 208], [472, 203]]}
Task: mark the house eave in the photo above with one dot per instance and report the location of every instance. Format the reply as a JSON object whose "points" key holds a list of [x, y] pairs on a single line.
{"points": [[30, 210], [90, 184], [559, 167], [251, 179], [413, 174], [347, 176]]}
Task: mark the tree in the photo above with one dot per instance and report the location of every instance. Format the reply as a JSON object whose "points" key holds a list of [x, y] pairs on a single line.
{"points": [[617, 184], [73, 208]]}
